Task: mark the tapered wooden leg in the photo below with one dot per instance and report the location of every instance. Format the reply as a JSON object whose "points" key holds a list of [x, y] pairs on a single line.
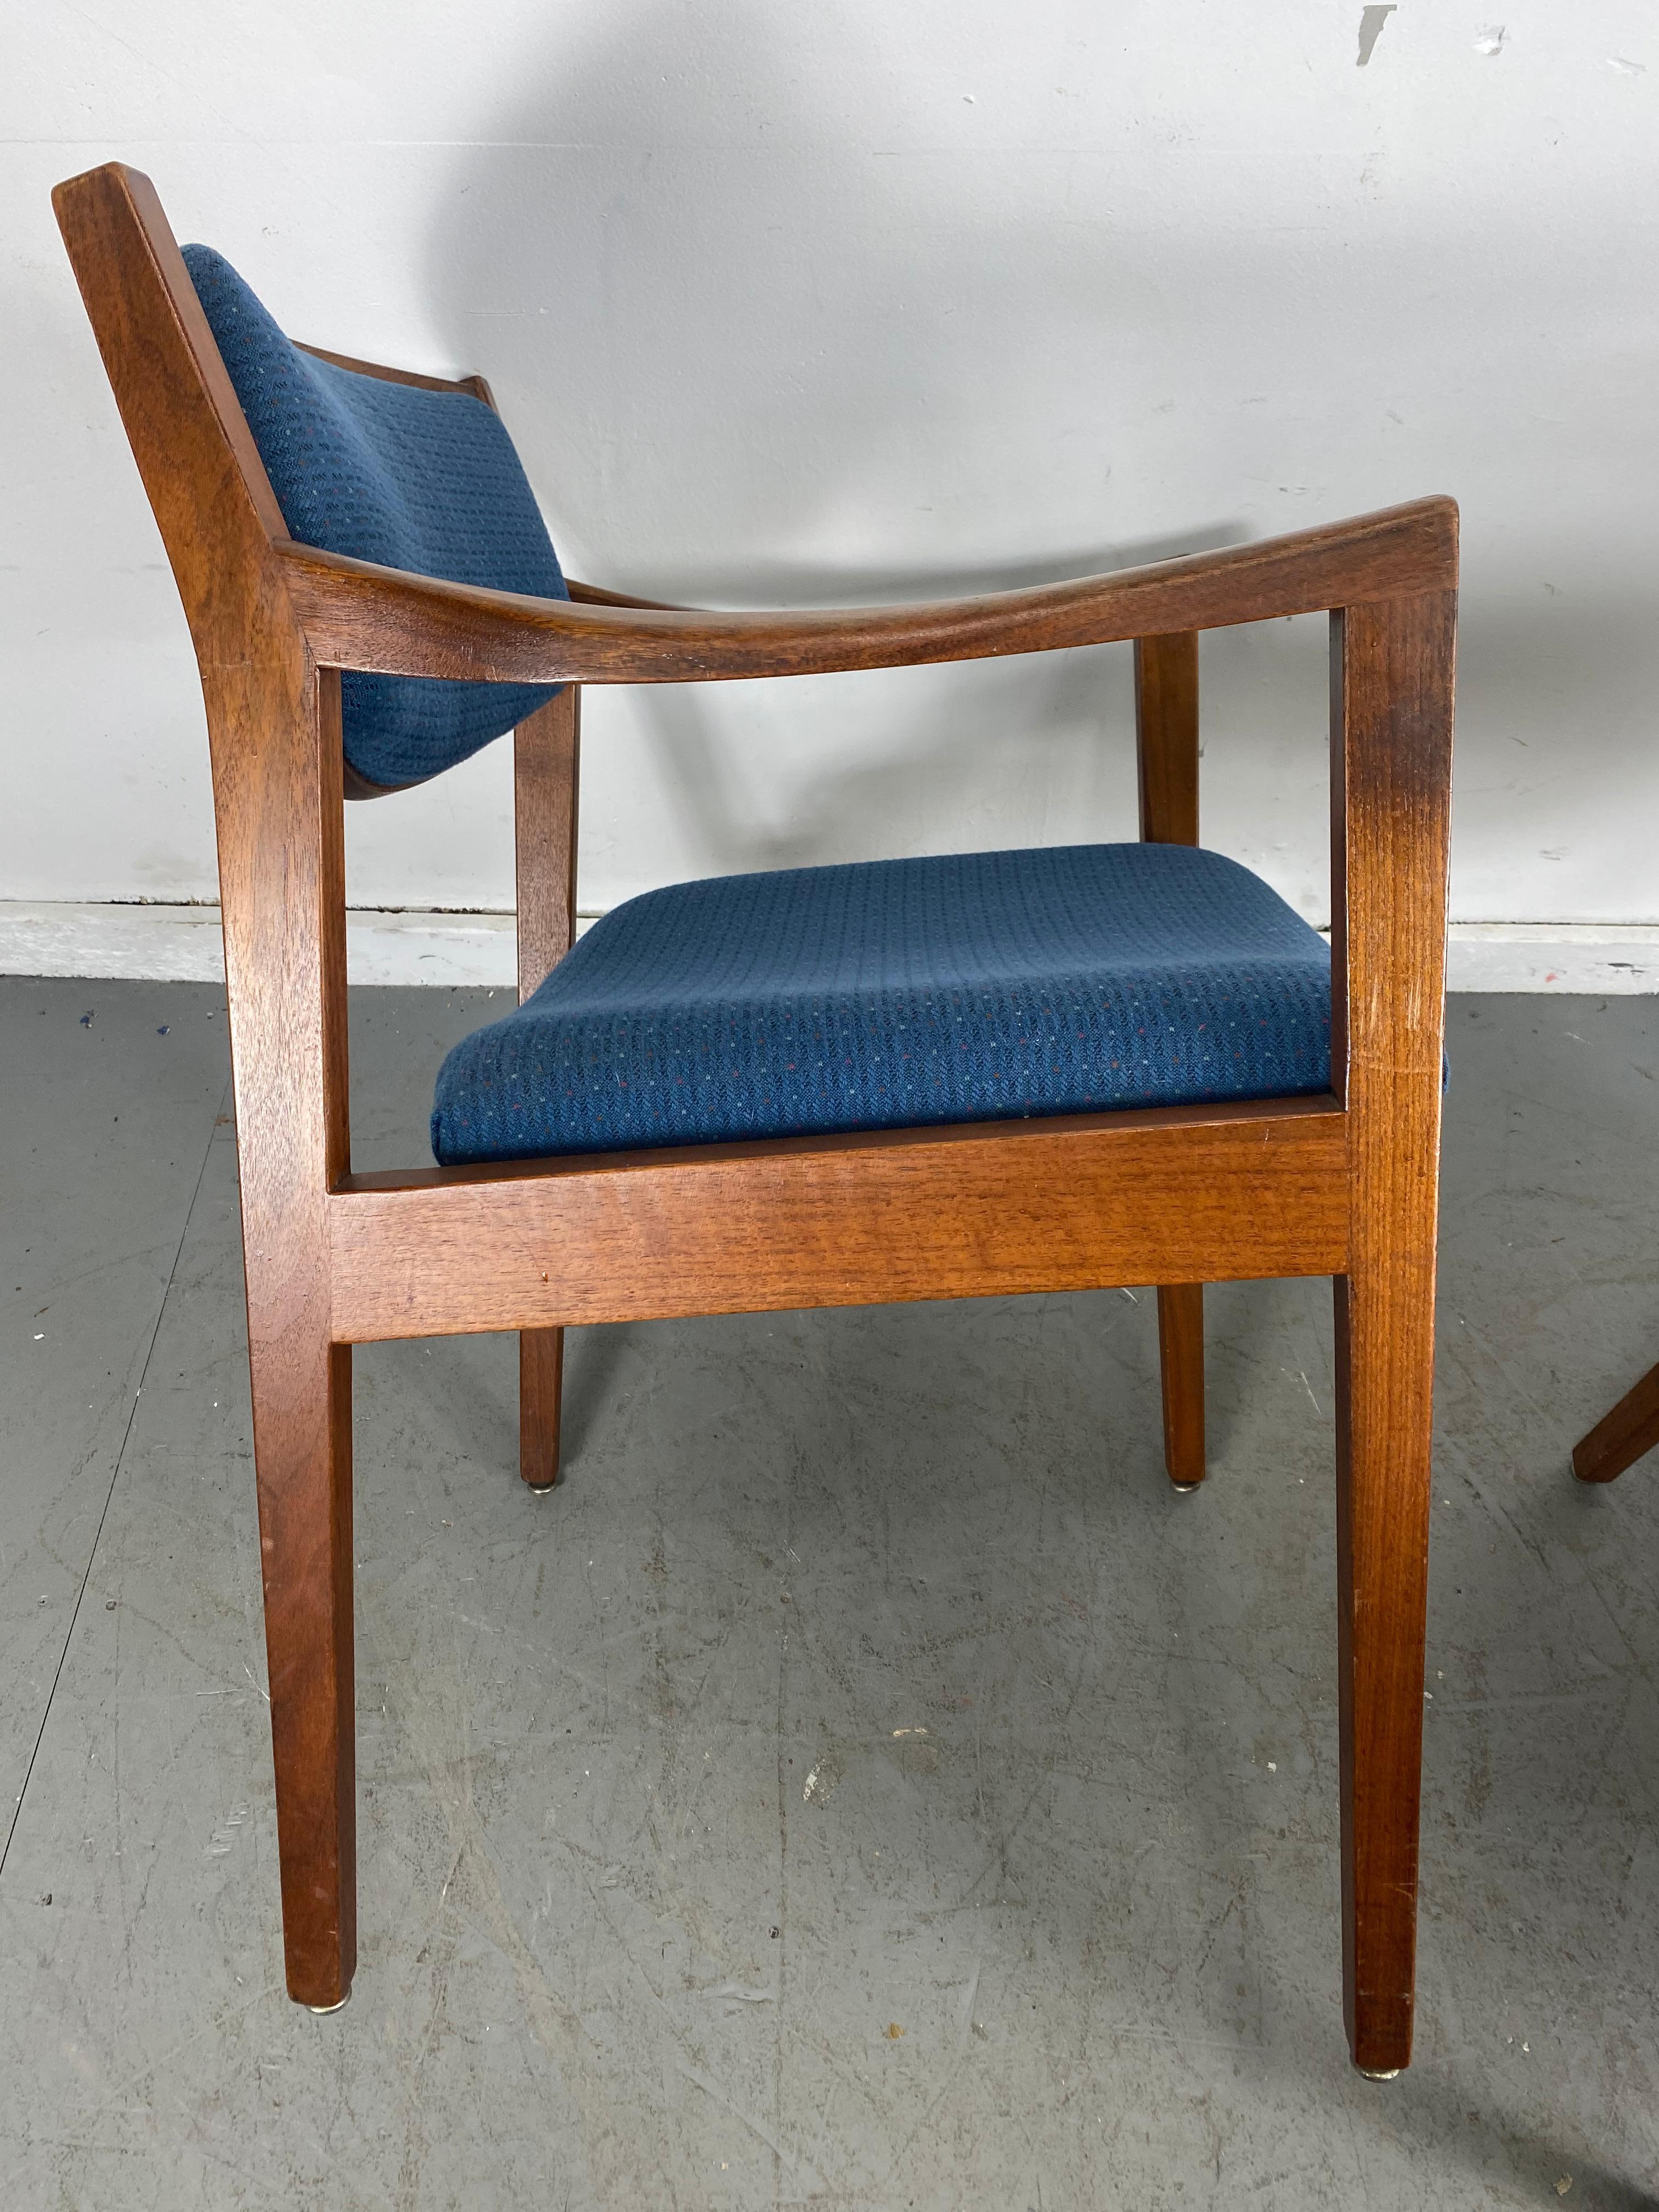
{"points": [[547, 773], [541, 1380], [274, 720], [1619, 1440], [1166, 749], [1390, 761], [303, 1457], [1181, 1362], [1384, 1393]]}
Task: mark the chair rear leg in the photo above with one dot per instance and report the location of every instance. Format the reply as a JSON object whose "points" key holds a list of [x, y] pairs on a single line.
{"points": [[1181, 1362], [1166, 752], [302, 1460], [1619, 1439], [541, 1383], [1385, 1388], [546, 778]]}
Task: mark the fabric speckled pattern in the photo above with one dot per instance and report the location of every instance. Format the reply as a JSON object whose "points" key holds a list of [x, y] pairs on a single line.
{"points": [[899, 994], [427, 481]]}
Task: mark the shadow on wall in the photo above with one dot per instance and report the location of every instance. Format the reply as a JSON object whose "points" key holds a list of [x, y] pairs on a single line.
{"points": [[750, 357]]}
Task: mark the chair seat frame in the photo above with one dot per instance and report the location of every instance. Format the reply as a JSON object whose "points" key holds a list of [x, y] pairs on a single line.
{"points": [[1343, 1185]]}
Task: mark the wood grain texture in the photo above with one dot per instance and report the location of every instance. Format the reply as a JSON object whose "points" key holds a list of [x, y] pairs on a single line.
{"points": [[595, 595], [201, 468], [1181, 1372], [278, 803], [1390, 776], [546, 784], [359, 616], [1166, 738], [993, 1209], [1166, 757], [280, 815], [282, 888], [1623, 1436], [473, 387], [273, 735], [1344, 1185], [541, 1394], [546, 798]]}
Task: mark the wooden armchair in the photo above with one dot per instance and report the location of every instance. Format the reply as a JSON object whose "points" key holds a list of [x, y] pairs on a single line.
{"points": [[1341, 1180]]}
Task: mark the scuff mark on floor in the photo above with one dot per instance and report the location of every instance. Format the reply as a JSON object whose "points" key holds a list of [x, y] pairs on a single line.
{"points": [[823, 1778], [808, 2175], [966, 2010]]}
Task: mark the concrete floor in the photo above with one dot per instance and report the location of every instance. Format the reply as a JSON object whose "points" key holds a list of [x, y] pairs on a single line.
{"points": [[863, 1782]]}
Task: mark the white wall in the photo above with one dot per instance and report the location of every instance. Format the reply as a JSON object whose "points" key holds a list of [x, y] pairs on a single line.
{"points": [[843, 299]]}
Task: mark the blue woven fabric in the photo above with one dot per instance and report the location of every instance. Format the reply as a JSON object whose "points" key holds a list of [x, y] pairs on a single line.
{"points": [[896, 993], [389, 472]]}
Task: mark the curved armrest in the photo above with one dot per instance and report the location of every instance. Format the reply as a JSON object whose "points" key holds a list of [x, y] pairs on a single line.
{"points": [[356, 615], [595, 595]]}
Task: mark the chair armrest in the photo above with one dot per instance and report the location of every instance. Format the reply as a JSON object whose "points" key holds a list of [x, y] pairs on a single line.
{"points": [[356, 615], [595, 595]]}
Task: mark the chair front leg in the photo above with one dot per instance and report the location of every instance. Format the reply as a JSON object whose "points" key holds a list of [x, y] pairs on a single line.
{"points": [[302, 1466], [1181, 1367], [1384, 1393], [1390, 786], [275, 724]]}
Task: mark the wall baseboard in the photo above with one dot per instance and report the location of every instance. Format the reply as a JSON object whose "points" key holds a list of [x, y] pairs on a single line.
{"points": [[180, 944], [1606, 958]]}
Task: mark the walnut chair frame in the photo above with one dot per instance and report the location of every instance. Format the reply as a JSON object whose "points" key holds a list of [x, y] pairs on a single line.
{"points": [[1343, 1185], [1623, 1436]]}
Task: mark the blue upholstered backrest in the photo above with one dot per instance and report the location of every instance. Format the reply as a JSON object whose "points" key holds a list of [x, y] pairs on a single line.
{"points": [[388, 472]]}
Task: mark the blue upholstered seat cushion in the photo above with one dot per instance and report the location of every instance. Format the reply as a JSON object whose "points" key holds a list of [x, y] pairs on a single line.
{"points": [[895, 993], [388, 472]]}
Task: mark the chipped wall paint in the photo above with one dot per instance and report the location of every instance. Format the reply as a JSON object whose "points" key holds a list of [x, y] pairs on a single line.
{"points": [[1371, 20], [851, 302]]}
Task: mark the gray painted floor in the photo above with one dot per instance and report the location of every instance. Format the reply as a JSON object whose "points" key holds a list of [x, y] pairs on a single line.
{"points": [[863, 1782]]}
